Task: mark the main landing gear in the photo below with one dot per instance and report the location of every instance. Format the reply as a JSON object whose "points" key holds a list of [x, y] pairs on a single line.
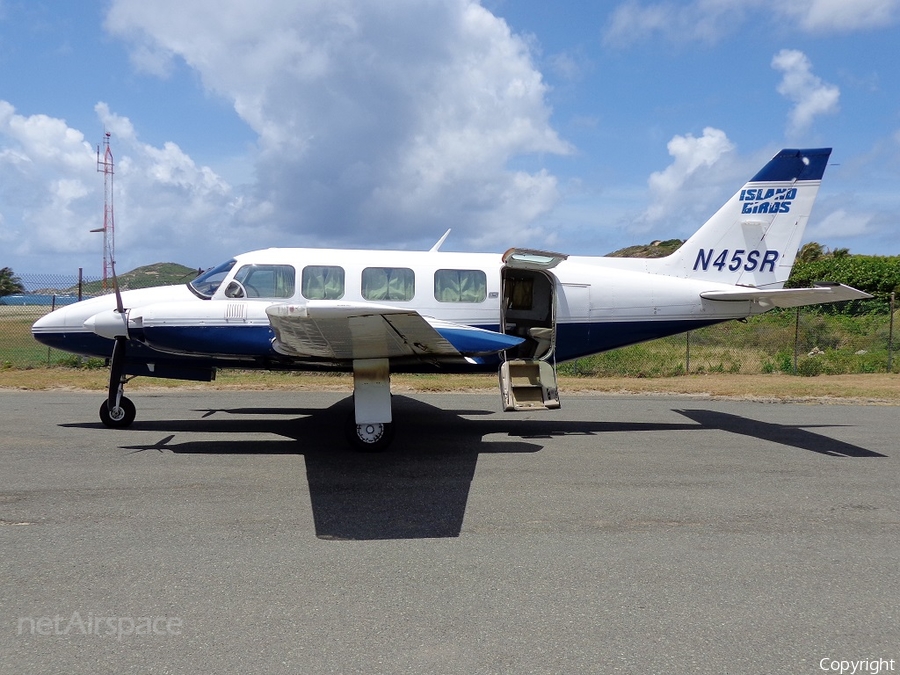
{"points": [[370, 428], [368, 437]]}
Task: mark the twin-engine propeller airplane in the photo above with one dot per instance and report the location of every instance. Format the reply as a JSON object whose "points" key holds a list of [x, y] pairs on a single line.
{"points": [[377, 312]]}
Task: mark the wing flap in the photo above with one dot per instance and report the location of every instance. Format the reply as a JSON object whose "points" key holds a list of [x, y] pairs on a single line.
{"points": [[790, 297], [336, 330], [340, 331]]}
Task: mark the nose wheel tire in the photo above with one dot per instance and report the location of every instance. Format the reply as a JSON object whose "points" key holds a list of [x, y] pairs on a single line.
{"points": [[118, 418], [369, 437]]}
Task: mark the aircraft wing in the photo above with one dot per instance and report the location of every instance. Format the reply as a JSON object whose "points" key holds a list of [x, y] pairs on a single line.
{"points": [[337, 330], [790, 297]]}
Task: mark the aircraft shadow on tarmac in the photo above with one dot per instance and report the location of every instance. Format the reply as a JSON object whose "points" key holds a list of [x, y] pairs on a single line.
{"points": [[420, 487]]}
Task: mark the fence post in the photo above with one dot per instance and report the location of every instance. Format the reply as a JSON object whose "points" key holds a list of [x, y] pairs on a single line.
{"points": [[891, 335], [80, 279], [796, 339], [687, 354], [52, 309]]}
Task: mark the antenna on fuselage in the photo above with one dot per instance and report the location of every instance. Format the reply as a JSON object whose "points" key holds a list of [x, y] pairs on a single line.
{"points": [[440, 241]]}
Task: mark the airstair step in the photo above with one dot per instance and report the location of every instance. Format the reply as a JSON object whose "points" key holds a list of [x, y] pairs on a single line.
{"points": [[528, 384]]}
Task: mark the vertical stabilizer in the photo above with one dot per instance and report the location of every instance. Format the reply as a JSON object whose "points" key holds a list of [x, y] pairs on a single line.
{"points": [[753, 239]]}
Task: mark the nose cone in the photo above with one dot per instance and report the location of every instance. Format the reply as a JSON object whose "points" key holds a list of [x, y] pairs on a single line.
{"points": [[43, 324], [63, 320], [62, 328]]}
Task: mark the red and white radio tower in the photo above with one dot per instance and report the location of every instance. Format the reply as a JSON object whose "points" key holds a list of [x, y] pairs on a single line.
{"points": [[105, 166]]}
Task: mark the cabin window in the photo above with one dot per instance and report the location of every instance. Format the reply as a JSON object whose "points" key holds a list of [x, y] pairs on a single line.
{"points": [[262, 281], [460, 286], [322, 282], [388, 283]]}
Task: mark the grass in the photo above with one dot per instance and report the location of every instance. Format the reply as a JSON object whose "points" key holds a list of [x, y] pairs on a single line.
{"points": [[17, 347], [874, 388]]}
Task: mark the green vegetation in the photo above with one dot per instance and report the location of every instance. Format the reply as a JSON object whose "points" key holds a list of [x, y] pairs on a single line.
{"points": [[655, 249], [17, 347], [825, 344], [10, 284], [878, 275], [158, 274]]}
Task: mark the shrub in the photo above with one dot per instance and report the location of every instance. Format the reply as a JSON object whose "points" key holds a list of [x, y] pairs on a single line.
{"points": [[80, 362], [810, 367], [878, 275]]}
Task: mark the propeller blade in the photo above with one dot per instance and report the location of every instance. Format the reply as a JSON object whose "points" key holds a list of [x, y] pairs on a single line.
{"points": [[119, 306]]}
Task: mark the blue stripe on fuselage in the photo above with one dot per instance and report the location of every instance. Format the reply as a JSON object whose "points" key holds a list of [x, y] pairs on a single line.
{"points": [[575, 340], [250, 346], [241, 341]]}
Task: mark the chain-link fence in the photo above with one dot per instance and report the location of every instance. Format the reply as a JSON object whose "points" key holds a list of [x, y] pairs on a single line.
{"points": [[801, 341], [42, 294], [805, 342]]}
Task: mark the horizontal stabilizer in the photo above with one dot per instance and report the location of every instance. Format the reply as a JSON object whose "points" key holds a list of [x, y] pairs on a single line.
{"points": [[790, 297]]}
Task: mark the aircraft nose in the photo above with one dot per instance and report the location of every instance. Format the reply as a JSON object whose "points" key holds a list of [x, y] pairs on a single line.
{"points": [[61, 322], [64, 318], [44, 323], [109, 324]]}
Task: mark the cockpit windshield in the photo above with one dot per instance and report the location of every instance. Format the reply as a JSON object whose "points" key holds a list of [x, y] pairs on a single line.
{"points": [[207, 283]]}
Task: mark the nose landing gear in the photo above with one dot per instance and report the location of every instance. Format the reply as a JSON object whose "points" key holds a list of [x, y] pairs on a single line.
{"points": [[117, 411], [118, 417]]}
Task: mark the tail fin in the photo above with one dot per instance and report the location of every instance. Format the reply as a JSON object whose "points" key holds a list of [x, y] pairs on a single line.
{"points": [[753, 239]]}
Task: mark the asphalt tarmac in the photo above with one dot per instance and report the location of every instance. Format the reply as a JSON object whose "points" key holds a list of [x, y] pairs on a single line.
{"points": [[234, 532]]}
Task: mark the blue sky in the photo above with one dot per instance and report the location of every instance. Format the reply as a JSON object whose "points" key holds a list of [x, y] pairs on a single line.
{"points": [[238, 125]]}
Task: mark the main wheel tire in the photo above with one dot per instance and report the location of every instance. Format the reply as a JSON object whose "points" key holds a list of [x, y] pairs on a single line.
{"points": [[118, 418], [371, 437]]}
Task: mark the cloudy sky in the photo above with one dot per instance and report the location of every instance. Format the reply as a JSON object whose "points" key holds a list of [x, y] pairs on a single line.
{"points": [[239, 124]]}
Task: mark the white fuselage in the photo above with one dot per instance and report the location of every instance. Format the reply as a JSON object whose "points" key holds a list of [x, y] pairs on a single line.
{"points": [[593, 306]]}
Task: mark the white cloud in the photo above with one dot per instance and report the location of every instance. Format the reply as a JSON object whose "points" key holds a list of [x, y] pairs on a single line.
{"points": [[840, 16], [52, 195], [688, 186], [377, 122], [116, 125], [810, 95], [840, 224], [164, 200], [43, 140], [701, 20], [712, 20], [569, 66], [43, 164]]}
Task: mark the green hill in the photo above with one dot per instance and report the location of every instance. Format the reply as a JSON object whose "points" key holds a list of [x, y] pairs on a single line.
{"points": [[656, 249], [157, 274]]}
